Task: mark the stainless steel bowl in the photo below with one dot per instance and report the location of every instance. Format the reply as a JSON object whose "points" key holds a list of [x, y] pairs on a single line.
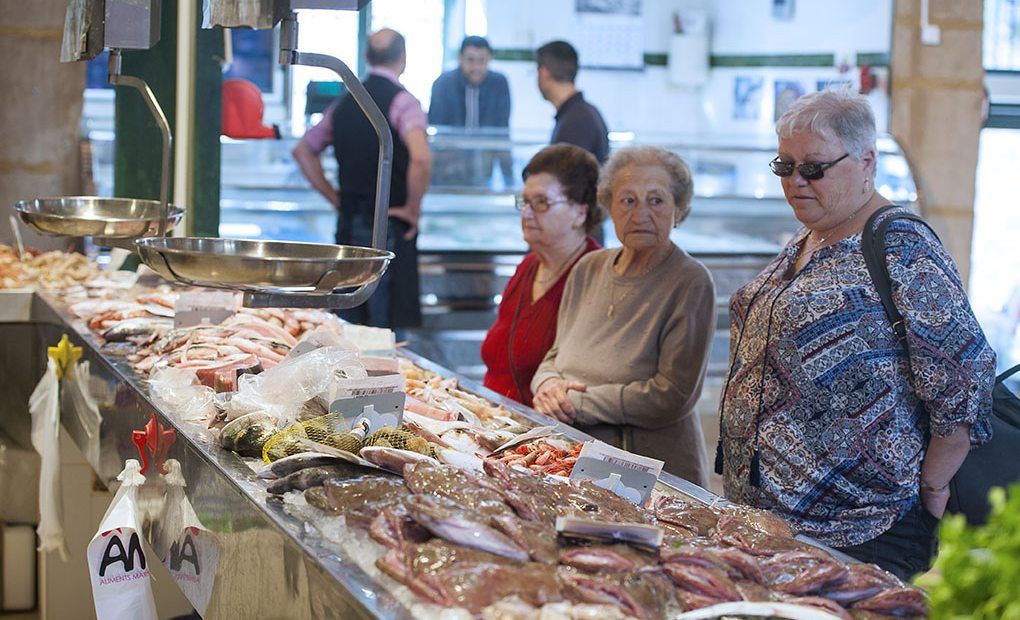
{"points": [[263, 266], [89, 216]]}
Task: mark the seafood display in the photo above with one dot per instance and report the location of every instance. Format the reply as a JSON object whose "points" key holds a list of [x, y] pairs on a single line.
{"points": [[541, 455], [448, 517], [250, 341], [47, 270], [482, 541]]}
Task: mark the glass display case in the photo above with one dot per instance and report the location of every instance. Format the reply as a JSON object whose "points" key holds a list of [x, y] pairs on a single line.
{"points": [[470, 237], [471, 242]]}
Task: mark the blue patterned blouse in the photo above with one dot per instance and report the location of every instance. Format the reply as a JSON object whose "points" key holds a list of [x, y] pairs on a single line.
{"points": [[821, 388]]}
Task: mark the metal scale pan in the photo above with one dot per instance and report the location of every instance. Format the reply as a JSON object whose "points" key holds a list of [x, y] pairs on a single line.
{"points": [[310, 273], [281, 273], [115, 222]]}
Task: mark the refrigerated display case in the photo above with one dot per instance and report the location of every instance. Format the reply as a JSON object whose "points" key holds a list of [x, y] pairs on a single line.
{"points": [[470, 240]]}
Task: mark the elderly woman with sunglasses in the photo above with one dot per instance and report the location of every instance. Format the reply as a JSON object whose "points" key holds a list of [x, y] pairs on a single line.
{"points": [[636, 323], [559, 215], [826, 418]]}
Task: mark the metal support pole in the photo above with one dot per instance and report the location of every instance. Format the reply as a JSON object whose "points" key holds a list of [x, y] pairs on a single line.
{"points": [[290, 56], [115, 78]]}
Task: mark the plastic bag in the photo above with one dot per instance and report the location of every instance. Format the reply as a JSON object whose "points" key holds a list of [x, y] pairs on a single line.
{"points": [[189, 551], [283, 390], [78, 398], [121, 582], [178, 393], [44, 405]]}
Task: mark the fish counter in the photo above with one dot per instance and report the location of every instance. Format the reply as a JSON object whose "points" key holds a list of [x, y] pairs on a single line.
{"points": [[464, 510]]}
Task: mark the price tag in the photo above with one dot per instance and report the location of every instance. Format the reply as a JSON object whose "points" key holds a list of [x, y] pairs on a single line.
{"points": [[205, 307], [629, 475], [379, 410], [633, 533]]}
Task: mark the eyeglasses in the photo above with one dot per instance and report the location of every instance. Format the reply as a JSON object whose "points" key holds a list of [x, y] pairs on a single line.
{"points": [[539, 204], [811, 170]]}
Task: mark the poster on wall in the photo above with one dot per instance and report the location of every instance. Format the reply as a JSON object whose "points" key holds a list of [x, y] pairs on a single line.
{"points": [[782, 10], [747, 97], [787, 91], [610, 34]]}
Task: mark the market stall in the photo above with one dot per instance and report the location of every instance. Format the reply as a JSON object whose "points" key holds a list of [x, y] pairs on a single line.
{"points": [[280, 539]]}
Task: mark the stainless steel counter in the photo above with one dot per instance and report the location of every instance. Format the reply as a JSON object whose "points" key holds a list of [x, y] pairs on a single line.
{"points": [[271, 563]]}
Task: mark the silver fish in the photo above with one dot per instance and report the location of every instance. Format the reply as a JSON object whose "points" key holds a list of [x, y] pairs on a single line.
{"points": [[247, 434], [297, 462], [450, 522], [140, 326], [393, 459]]}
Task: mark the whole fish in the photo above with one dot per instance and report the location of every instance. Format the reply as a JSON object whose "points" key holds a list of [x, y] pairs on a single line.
{"points": [[392, 459], [450, 522], [305, 479], [139, 326], [247, 434], [290, 464]]}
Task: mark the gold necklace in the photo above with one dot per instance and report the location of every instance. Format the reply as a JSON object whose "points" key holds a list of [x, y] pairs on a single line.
{"points": [[612, 285], [821, 240]]}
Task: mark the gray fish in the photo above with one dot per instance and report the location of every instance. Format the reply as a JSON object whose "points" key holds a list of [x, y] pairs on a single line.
{"points": [[449, 521], [296, 462], [316, 496], [304, 479], [139, 326], [247, 434]]}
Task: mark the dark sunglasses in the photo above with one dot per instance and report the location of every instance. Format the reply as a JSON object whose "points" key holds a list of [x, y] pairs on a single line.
{"points": [[812, 170]]}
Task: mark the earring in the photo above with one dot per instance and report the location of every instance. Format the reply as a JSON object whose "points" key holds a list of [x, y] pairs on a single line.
{"points": [[867, 185]]}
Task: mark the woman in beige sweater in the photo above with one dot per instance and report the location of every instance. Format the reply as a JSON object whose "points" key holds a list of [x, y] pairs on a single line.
{"points": [[635, 324]]}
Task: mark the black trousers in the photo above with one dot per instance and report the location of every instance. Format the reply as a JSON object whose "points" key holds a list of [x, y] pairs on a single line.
{"points": [[396, 303], [905, 549]]}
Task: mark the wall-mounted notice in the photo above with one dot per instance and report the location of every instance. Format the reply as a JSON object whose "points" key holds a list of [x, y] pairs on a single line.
{"points": [[610, 34]]}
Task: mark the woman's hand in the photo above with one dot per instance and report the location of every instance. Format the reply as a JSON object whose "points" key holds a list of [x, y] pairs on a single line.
{"points": [[551, 399]]}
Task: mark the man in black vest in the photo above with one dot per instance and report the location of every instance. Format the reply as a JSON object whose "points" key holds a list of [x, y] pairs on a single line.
{"points": [[396, 302]]}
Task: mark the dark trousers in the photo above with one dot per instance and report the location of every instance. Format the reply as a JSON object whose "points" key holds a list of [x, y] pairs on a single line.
{"points": [[396, 302], [907, 548]]}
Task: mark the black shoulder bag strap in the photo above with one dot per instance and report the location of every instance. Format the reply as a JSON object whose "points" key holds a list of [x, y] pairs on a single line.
{"points": [[873, 248]]}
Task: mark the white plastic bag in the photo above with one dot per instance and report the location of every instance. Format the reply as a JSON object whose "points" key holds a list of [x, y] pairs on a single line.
{"points": [[189, 551], [121, 583], [79, 397], [178, 392], [44, 405], [283, 390]]}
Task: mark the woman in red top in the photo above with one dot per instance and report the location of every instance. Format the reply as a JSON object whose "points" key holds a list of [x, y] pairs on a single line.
{"points": [[559, 213]]}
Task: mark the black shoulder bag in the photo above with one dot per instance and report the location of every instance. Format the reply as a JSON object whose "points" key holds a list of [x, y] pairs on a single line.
{"points": [[997, 463]]}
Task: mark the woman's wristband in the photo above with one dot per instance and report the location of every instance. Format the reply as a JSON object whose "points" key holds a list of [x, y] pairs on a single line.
{"points": [[927, 488]]}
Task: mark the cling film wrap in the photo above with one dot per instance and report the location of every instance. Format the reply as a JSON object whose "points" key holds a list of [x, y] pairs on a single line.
{"points": [[283, 390]]}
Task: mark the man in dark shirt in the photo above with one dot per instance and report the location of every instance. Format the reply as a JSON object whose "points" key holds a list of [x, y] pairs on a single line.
{"points": [[471, 96], [577, 121]]}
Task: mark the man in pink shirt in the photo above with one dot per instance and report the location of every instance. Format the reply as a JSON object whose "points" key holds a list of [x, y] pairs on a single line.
{"points": [[395, 303]]}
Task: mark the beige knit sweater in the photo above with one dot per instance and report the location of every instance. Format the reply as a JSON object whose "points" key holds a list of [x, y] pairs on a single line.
{"points": [[644, 367]]}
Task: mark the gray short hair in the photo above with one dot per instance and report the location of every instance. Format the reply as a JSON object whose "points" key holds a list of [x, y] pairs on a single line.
{"points": [[838, 114], [681, 184]]}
